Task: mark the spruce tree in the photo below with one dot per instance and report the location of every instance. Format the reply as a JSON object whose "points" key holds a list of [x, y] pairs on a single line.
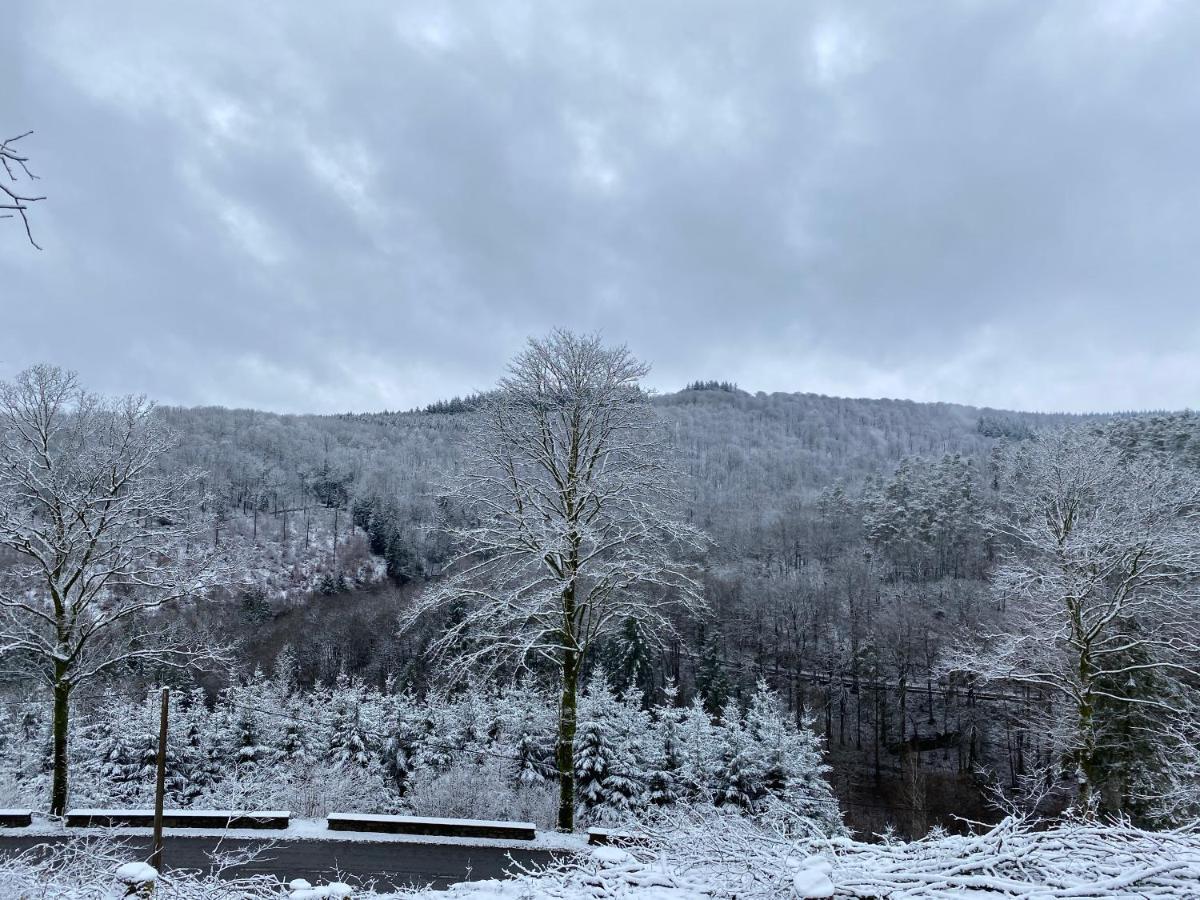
{"points": [[528, 726], [698, 751], [664, 782], [594, 751], [624, 785], [789, 762], [712, 684], [738, 777]]}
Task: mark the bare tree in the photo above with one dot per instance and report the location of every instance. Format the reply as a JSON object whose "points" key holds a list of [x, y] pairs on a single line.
{"points": [[101, 537], [569, 489], [1100, 576], [14, 198]]}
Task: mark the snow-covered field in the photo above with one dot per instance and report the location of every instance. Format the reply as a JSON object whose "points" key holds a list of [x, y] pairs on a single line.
{"points": [[712, 855]]}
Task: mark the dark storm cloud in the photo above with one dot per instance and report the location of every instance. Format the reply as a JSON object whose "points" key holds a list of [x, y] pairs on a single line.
{"points": [[370, 205]]}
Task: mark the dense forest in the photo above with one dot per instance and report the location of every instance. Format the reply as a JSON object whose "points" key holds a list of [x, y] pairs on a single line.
{"points": [[850, 555], [847, 552]]}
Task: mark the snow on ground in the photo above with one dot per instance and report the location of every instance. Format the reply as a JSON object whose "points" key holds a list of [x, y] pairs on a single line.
{"points": [[731, 859], [1069, 859], [606, 872], [722, 856]]}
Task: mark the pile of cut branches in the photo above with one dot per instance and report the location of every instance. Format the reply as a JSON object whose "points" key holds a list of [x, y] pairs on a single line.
{"points": [[1068, 859]]}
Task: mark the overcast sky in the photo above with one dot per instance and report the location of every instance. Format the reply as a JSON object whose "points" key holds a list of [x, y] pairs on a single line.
{"points": [[370, 205]]}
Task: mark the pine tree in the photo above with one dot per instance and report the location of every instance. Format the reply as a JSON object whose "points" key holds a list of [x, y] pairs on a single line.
{"points": [[738, 778], [249, 747], [195, 741], [594, 751], [401, 750], [664, 783], [293, 748], [630, 660], [115, 736], [712, 684], [528, 724], [788, 762], [698, 751], [349, 743], [624, 786], [354, 750]]}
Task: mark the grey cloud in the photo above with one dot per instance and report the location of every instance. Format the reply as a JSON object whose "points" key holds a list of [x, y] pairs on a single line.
{"points": [[370, 205]]}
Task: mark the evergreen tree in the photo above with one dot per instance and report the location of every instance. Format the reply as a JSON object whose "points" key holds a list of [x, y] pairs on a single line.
{"points": [[627, 656], [353, 750], [195, 741], [293, 745], [349, 745], [738, 777], [594, 751], [624, 785], [249, 747], [698, 751], [401, 750], [664, 783], [788, 762], [712, 684], [116, 743], [528, 724]]}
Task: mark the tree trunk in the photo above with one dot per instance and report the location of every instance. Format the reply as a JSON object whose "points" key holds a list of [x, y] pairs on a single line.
{"points": [[1085, 757], [62, 711], [565, 752]]}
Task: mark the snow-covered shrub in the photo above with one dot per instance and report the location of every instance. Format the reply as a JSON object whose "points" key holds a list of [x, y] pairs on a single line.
{"points": [[470, 790], [308, 790], [22, 793]]}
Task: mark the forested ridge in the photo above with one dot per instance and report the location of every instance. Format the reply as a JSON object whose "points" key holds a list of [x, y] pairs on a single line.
{"points": [[847, 551], [851, 558]]}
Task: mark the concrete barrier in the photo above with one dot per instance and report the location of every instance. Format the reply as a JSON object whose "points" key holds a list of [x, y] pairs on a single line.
{"points": [[178, 818], [16, 818], [606, 836], [419, 825]]}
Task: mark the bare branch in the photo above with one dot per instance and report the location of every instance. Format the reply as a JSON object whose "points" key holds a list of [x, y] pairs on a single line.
{"points": [[16, 166]]}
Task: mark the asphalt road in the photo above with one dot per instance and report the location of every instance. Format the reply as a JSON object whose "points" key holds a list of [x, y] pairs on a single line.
{"points": [[391, 864]]}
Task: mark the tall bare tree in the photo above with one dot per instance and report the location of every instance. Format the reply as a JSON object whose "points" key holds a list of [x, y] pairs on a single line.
{"points": [[569, 489], [100, 537], [1100, 574], [12, 197]]}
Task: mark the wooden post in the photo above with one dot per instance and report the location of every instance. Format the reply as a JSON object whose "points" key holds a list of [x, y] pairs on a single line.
{"points": [[160, 783]]}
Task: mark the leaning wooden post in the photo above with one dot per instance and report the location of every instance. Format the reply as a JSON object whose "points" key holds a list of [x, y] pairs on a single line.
{"points": [[160, 783]]}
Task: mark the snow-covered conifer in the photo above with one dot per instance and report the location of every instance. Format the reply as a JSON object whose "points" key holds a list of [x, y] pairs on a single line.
{"points": [[738, 777], [698, 751], [664, 780]]}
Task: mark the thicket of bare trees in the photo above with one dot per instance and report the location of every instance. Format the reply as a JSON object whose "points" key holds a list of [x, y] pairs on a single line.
{"points": [[100, 538], [1100, 578]]}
